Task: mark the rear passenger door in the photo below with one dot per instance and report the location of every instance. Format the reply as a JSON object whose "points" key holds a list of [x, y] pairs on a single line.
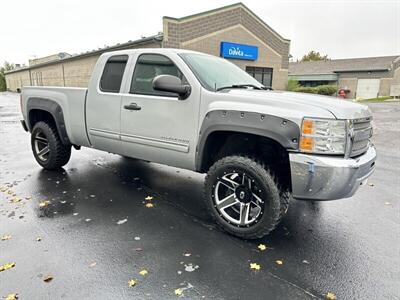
{"points": [[155, 125], [103, 107]]}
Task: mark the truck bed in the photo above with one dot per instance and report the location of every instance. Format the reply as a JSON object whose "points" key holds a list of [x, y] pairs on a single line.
{"points": [[72, 101]]}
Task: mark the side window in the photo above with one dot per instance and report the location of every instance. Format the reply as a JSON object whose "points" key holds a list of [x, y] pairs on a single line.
{"points": [[149, 66], [112, 74]]}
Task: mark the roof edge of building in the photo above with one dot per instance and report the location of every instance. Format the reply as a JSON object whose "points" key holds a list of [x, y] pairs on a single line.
{"points": [[157, 37], [237, 4]]}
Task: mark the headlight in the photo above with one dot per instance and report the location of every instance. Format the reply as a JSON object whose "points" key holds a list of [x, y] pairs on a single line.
{"points": [[323, 136]]}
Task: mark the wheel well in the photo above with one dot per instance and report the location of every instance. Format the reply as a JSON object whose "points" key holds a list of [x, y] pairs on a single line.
{"points": [[37, 115], [225, 143]]}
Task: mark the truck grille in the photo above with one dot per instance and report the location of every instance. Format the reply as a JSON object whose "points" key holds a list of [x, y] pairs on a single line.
{"points": [[361, 139]]}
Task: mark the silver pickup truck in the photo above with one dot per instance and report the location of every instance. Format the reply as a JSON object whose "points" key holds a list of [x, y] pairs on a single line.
{"points": [[260, 148]]}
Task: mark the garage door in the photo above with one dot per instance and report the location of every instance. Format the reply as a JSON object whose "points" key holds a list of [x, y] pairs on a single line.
{"points": [[367, 88]]}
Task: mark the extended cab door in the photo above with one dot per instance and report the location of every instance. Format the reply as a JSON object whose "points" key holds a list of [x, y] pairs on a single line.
{"points": [[103, 107], [157, 126]]}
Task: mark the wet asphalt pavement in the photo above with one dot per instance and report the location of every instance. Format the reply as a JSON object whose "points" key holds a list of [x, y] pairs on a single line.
{"points": [[349, 247]]}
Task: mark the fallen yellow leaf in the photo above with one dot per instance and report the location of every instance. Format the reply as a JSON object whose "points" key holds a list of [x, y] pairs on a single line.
{"points": [[148, 198], [255, 266], [12, 297], [6, 237], [149, 205], [7, 266], [44, 203], [48, 278], [144, 272], [331, 296], [3, 189], [15, 200], [178, 292], [279, 262], [262, 247], [131, 283]]}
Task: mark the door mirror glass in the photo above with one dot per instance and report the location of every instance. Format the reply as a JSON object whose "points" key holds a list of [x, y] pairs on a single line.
{"points": [[172, 84]]}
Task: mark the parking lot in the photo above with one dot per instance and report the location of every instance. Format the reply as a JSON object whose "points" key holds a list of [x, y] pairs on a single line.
{"points": [[96, 232]]}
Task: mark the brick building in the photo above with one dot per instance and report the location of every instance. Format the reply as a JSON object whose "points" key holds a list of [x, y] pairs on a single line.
{"points": [[233, 32]]}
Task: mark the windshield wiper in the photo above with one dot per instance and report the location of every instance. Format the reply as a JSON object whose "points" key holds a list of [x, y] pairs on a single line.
{"points": [[240, 86]]}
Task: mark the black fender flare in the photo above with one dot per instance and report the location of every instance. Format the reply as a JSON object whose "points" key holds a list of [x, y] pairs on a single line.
{"points": [[54, 109], [283, 131]]}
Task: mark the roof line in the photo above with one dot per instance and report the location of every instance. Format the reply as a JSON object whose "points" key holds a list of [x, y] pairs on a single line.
{"points": [[350, 58], [90, 53], [238, 4]]}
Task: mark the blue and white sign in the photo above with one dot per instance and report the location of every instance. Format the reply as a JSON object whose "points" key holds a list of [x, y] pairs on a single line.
{"points": [[238, 51]]}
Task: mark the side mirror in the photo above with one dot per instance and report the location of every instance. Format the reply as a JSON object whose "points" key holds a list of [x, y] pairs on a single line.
{"points": [[172, 84]]}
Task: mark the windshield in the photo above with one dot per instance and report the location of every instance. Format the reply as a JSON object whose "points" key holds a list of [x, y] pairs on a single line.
{"points": [[215, 73]]}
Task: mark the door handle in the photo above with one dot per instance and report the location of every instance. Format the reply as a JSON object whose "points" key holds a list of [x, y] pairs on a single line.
{"points": [[132, 106]]}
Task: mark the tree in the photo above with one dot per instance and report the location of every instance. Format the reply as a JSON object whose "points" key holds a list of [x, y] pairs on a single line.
{"points": [[314, 56], [6, 67]]}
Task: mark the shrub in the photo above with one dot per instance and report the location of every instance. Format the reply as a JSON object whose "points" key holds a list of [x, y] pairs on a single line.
{"points": [[328, 90], [306, 89], [3, 86], [293, 85]]}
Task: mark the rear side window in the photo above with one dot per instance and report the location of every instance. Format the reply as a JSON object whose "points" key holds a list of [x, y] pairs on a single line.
{"points": [[149, 66], [112, 74]]}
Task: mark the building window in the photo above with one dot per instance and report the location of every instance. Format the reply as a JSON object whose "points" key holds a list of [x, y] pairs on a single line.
{"points": [[113, 72], [263, 75]]}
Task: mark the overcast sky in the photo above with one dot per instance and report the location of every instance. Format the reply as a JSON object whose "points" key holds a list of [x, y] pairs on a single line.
{"points": [[341, 28]]}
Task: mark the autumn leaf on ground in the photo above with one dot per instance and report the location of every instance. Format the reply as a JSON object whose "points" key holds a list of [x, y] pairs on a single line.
{"points": [[6, 237], [262, 247], [255, 266], [7, 266], [131, 283], [331, 296], [15, 200], [148, 198], [12, 297], [149, 205], [48, 278], [120, 222], [44, 203], [279, 262], [178, 292], [144, 272]]}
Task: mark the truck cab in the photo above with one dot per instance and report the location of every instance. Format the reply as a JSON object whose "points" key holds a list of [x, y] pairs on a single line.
{"points": [[260, 148]]}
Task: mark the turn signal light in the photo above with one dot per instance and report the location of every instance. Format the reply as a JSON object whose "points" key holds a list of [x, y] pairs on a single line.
{"points": [[306, 144], [307, 127]]}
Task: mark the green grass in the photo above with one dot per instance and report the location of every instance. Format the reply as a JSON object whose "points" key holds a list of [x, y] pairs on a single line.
{"points": [[378, 99]]}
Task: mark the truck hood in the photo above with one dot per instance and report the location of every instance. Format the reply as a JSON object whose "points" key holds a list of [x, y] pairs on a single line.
{"points": [[309, 104]]}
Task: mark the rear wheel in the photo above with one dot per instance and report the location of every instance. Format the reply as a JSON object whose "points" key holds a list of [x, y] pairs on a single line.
{"points": [[243, 197], [47, 147]]}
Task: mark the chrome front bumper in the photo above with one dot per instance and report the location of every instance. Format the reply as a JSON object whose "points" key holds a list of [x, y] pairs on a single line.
{"points": [[317, 177]]}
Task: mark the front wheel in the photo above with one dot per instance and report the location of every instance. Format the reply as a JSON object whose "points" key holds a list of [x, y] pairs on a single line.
{"points": [[47, 147], [243, 197]]}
